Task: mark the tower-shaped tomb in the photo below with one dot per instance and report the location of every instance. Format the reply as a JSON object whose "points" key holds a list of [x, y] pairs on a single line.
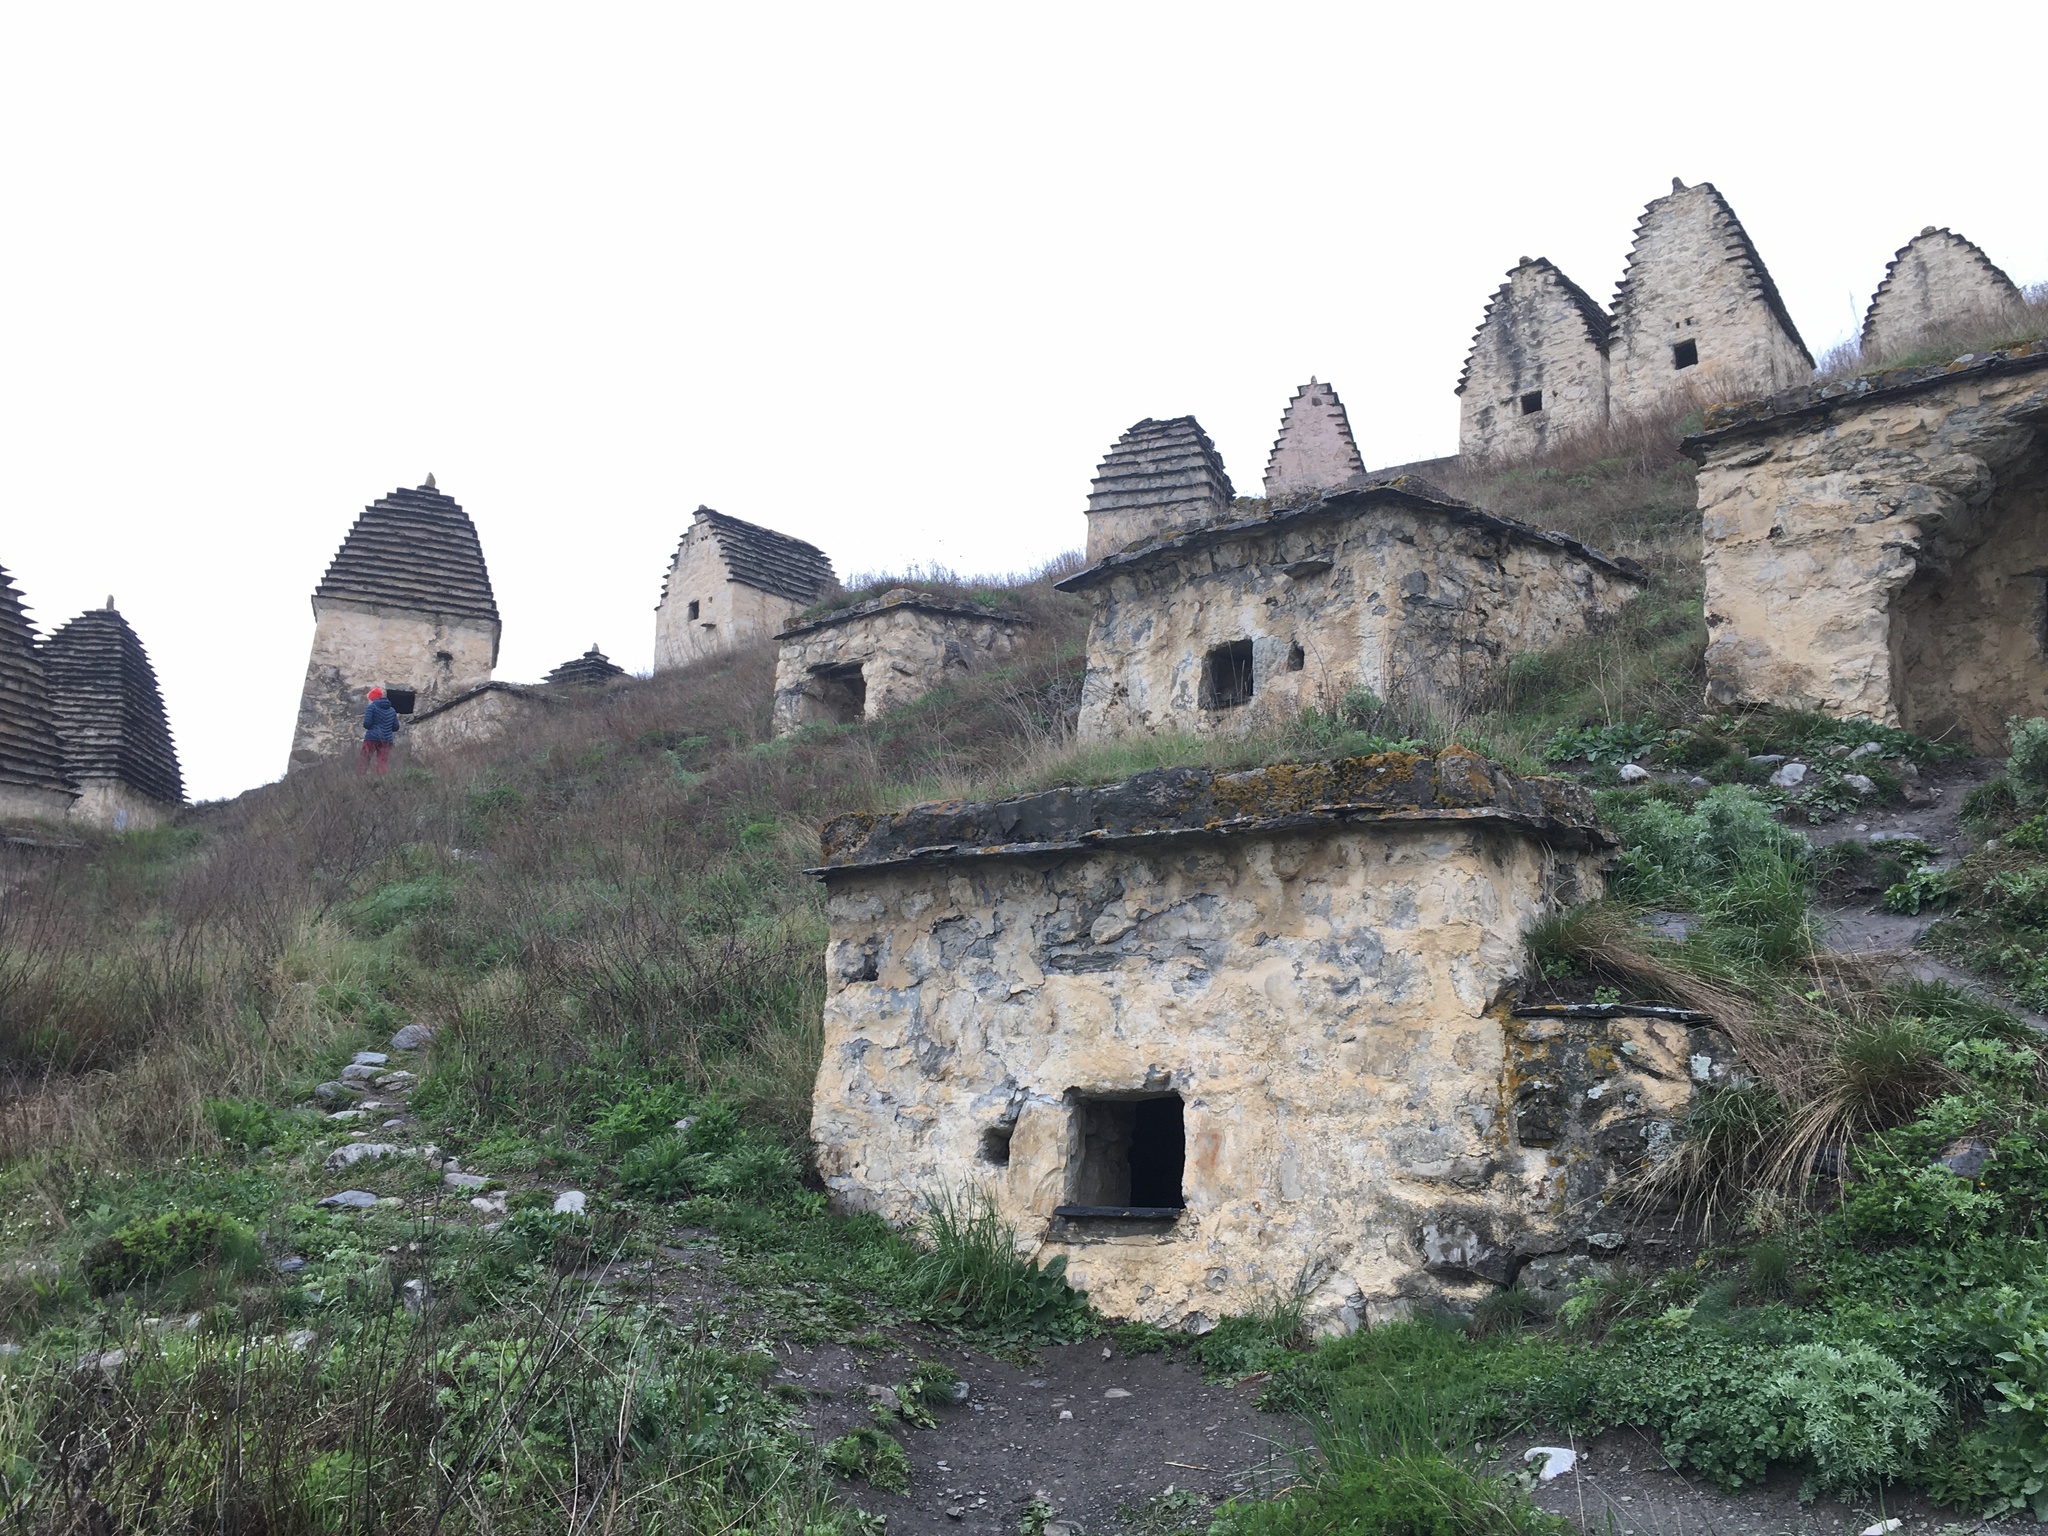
{"points": [[110, 723], [593, 669], [405, 606], [1697, 318], [32, 781], [730, 582], [1161, 475], [1315, 450], [1938, 287], [1537, 371]]}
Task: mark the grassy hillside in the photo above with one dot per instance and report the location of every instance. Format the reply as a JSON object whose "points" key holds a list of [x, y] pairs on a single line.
{"points": [[604, 921]]}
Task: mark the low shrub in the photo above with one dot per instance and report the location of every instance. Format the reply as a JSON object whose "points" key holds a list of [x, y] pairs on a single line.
{"points": [[2026, 770], [873, 1456], [972, 1276], [157, 1247]]}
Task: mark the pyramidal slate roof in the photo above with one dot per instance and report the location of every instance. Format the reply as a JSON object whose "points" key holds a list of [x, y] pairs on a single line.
{"points": [[1598, 326], [1161, 464], [764, 559], [413, 549], [109, 714], [592, 669], [1738, 248], [29, 755]]}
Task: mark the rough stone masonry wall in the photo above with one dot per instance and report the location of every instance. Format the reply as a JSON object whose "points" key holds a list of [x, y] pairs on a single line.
{"points": [[1363, 590], [481, 714], [729, 613], [1317, 959], [1543, 336], [903, 644], [1693, 276], [1881, 549], [358, 646], [1938, 281], [117, 806]]}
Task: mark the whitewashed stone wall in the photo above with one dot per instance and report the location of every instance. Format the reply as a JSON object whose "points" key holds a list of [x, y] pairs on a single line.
{"points": [[358, 646], [1878, 550], [728, 612], [1385, 589], [1537, 372], [900, 646], [1695, 279], [1938, 282], [1318, 960]]}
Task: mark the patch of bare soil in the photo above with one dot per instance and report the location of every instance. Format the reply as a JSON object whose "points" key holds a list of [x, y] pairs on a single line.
{"points": [[1093, 1429]]}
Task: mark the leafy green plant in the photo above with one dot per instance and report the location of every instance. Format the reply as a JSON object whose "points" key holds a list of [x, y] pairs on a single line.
{"points": [[244, 1123], [1862, 1416], [1143, 1339], [1620, 742], [402, 901], [2026, 770], [155, 1247], [872, 1455], [1251, 1342]]}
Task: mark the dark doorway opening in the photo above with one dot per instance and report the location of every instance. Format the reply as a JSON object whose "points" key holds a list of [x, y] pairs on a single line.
{"points": [[838, 695], [1532, 402], [1131, 1154], [1685, 354], [1227, 675], [402, 699]]}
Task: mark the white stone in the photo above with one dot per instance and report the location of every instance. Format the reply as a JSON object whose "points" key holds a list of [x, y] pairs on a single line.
{"points": [[1552, 1461], [1882, 1528], [1633, 773], [1859, 783], [1790, 776], [569, 1203]]}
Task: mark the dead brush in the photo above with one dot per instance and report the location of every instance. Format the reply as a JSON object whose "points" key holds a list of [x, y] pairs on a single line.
{"points": [[1829, 1055]]}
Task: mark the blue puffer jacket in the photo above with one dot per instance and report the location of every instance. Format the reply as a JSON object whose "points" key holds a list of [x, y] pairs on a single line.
{"points": [[380, 721]]}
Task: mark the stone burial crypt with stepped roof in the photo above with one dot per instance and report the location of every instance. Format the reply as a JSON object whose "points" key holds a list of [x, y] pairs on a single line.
{"points": [[1220, 1037], [83, 734], [1214, 616]]}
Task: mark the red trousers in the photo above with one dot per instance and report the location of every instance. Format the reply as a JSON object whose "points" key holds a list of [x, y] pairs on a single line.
{"points": [[380, 751]]}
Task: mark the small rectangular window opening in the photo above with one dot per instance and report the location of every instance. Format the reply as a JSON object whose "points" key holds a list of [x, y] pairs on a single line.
{"points": [[1684, 354], [1532, 402], [1227, 675], [693, 608], [1131, 1154], [838, 695], [995, 1145], [1297, 658]]}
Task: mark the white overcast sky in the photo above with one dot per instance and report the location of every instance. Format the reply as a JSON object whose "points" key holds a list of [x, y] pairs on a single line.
{"points": [[887, 277]]}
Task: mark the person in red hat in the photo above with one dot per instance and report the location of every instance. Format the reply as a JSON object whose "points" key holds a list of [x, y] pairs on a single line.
{"points": [[380, 728]]}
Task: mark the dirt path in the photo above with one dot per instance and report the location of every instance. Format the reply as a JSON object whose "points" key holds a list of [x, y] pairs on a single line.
{"points": [[1863, 928]]}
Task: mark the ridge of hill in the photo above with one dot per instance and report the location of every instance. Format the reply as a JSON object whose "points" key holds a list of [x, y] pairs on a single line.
{"points": [[429, 1152]]}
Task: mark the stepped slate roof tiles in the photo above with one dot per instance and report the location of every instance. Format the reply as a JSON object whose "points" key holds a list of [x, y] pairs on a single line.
{"points": [[1162, 464], [770, 561], [413, 549], [30, 757], [109, 714], [592, 669], [1954, 257]]}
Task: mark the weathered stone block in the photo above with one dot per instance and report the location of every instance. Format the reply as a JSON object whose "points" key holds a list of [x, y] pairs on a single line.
{"points": [[1215, 1035], [1879, 549], [865, 660]]}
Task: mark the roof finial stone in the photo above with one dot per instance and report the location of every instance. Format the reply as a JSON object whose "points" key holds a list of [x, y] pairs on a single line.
{"points": [[430, 482]]}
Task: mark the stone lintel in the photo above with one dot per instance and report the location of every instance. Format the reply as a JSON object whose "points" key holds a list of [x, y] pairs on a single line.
{"points": [[1753, 418], [1406, 492], [1402, 788], [902, 597]]}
